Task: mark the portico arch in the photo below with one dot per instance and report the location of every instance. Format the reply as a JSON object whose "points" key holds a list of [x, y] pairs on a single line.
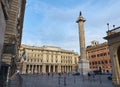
{"points": [[118, 54]]}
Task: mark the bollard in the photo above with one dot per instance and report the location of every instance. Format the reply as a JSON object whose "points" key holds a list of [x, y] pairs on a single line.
{"points": [[64, 81]]}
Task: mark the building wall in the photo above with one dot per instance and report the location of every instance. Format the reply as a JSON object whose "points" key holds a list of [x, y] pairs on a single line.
{"points": [[98, 55], [48, 59], [2, 29], [11, 24], [113, 38], [13, 33]]}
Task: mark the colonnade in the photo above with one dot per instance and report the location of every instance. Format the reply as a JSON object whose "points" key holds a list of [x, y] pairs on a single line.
{"points": [[47, 68]]}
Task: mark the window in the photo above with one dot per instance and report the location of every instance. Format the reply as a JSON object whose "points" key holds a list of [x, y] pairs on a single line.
{"points": [[98, 55], [93, 56], [90, 63], [106, 61], [102, 62], [98, 62], [104, 54]]}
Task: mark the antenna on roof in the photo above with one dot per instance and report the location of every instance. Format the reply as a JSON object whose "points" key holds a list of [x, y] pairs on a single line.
{"points": [[113, 26], [108, 26]]}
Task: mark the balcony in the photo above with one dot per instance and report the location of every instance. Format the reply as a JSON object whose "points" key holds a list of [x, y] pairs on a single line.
{"points": [[113, 33]]}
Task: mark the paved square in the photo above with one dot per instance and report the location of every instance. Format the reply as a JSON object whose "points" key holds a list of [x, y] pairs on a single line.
{"points": [[65, 81]]}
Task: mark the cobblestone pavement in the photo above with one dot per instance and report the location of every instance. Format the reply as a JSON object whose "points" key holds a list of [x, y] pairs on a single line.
{"points": [[65, 81]]}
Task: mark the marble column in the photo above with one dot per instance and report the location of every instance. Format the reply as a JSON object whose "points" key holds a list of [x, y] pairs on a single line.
{"points": [[28, 70], [44, 68], [39, 69], [84, 63], [24, 66], [53, 68], [59, 68]]}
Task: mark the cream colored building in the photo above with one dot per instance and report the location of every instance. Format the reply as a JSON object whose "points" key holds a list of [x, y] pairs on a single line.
{"points": [[48, 59]]}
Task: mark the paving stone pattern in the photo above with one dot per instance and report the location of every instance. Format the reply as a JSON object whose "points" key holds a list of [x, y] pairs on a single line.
{"points": [[65, 81]]}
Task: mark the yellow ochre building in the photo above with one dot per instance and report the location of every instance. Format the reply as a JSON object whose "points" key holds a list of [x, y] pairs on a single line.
{"points": [[47, 59]]}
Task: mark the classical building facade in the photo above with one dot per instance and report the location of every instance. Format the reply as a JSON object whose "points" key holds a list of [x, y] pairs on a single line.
{"points": [[113, 37], [11, 24], [47, 59], [99, 57]]}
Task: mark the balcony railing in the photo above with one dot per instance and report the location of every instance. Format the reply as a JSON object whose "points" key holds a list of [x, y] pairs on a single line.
{"points": [[113, 31]]}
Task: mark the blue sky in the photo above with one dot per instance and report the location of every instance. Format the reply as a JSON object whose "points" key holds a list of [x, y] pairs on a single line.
{"points": [[53, 22]]}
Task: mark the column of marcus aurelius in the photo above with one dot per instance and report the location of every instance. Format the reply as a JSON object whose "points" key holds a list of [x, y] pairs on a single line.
{"points": [[83, 64]]}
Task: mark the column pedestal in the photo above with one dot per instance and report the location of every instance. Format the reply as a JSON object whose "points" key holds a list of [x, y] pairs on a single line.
{"points": [[83, 67]]}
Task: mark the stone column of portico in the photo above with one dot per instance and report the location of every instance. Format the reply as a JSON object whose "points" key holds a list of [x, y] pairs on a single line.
{"points": [[53, 68], [67, 69], [117, 66], [115, 76], [39, 68], [24, 67], [28, 70], [59, 68], [34, 69], [70, 68], [44, 68], [117, 73], [64, 68], [84, 63]]}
